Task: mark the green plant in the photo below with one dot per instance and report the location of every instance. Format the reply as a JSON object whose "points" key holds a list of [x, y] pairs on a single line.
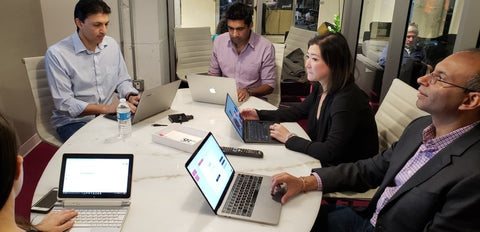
{"points": [[336, 27]]}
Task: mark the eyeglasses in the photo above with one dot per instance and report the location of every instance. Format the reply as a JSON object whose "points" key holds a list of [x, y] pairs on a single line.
{"points": [[434, 77]]}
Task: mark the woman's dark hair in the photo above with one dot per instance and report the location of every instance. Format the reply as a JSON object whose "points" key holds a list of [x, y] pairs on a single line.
{"points": [[85, 8], [240, 11], [336, 54], [8, 159]]}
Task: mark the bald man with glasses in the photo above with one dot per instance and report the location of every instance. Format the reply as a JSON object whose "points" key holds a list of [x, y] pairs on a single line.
{"points": [[429, 180]]}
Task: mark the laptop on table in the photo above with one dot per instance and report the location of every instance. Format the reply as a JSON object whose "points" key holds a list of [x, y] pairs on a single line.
{"points": [[221, 186], [251, 131], [153, 101], [94, 185], [212, 89]]}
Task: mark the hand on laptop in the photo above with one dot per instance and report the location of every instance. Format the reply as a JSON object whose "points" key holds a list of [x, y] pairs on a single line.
{"points": [[279, 132], [57, 221], [249, 114]]}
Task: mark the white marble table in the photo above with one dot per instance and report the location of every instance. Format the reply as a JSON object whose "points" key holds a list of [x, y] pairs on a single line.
{"points": [[164, 198]]}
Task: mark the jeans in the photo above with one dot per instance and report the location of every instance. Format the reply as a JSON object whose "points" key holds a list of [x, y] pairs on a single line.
{"points": [[341, 218], [68, 130]]}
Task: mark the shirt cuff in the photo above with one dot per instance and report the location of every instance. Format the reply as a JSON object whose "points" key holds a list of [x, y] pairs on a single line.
{"points": [[319, 181]]}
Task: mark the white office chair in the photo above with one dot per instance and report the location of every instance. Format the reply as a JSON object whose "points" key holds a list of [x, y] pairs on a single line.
{"points": [[297, 38], [193, 47], [275, 97], [397, 110], [37, 77]]}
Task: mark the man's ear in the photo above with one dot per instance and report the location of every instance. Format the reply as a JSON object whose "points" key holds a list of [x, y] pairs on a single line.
{"points": [[251, 25], [78, 23], [471, 101]]}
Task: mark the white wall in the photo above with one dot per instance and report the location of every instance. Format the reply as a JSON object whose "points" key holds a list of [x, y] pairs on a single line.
{"points": [[59, 23], [375, 11], [198, 13]]}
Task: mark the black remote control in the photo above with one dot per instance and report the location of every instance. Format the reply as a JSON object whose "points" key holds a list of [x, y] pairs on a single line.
{"points": [[242, 152]]}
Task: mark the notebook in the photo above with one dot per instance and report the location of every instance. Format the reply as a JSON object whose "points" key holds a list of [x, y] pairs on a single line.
{"points": [[92, 183], [211, 89], [215, 177], [251, 131], [153, 101]]}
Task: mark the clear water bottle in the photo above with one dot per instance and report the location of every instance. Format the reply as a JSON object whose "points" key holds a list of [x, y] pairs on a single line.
{"points": [[123, 118]]}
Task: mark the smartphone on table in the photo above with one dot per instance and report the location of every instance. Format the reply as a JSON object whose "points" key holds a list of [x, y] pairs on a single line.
{"points": [[46, 203]]}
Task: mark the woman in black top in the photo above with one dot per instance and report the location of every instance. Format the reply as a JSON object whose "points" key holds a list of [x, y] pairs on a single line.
{"points": [[341, 124], [11, 178]]}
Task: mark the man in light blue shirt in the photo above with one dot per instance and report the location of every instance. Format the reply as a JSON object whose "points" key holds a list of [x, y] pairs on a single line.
{"points": [[85, 69]]}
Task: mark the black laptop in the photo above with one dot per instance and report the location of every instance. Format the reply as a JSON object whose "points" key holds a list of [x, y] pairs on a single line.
{"points": [[251, 131]]}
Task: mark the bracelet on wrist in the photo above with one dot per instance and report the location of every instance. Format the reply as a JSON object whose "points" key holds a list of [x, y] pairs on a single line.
{"points": [[289, 135]]}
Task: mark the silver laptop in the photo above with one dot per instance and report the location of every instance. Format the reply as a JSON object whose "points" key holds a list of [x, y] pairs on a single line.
{"points": [[94, 185], [153, 101], [221, 186], [212, 89]]}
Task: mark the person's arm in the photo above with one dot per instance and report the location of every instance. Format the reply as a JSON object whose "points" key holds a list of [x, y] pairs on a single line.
{"points": [[61, 86], [295, 185], [57, 221], [214, 69], [259, 91], [268, 73], [383, 57]]}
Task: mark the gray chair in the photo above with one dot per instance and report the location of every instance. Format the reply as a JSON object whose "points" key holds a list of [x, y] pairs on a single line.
{"points": [[37, 77], [193, 47], [397, 110]]}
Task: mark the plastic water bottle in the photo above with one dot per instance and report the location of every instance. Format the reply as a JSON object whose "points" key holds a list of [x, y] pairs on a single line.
{"points": [[123, 118]]}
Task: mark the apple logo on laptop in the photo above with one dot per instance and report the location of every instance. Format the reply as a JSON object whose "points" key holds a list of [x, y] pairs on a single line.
{"points": [[212, 90]]}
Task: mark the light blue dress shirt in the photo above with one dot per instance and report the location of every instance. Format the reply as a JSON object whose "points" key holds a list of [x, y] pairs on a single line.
{"points": [[78, 77]]}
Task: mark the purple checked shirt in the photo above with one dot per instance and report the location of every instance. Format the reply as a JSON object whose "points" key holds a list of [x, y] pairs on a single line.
{"points": [[254, 66], [429, 148]]}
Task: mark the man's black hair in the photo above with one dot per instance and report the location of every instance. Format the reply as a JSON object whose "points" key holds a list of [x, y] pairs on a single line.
{"points": [[240, 11], [85, 8]]}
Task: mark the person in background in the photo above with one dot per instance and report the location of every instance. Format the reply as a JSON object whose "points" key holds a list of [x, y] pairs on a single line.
{"points": [[341, 124], [429, 180], [221, 27], [410, 51], [85, 69], [11, 180], [244, 55]]}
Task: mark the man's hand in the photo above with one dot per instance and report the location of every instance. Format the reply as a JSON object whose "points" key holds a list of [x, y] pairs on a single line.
{"points": [[57, 221], [242, 95], [295, 185]]}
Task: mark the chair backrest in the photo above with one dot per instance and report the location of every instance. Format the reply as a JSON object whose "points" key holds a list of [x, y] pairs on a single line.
{"points": [[37, 77], [275, 97], [297, 38], [397, 110], [193, 48]]}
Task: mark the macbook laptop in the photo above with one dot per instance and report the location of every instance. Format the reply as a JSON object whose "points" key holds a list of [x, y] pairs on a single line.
{"points": [[251, 131], [153, 101], [93, 185], [222, 186], [211, 89]]}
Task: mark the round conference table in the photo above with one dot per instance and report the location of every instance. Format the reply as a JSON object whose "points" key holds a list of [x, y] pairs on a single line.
{"points": [[164, 197]]}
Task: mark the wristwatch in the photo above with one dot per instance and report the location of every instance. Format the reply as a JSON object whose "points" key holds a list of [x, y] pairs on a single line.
{"points": [[249, 91]]}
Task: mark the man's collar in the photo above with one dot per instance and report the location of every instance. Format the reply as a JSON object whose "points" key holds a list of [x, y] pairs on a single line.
{"points": [[80, 47]]}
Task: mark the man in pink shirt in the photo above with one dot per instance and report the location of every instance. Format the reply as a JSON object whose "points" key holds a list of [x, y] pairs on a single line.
{"points": [[244, 55]]}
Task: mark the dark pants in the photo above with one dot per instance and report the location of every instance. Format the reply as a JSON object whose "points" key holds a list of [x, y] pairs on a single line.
{"points": [[341, 218], [68, 130]]}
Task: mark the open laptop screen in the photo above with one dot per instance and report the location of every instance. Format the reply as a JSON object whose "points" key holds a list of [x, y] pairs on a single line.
{"points": [[211, 170], [234, 115], [96, 176]]}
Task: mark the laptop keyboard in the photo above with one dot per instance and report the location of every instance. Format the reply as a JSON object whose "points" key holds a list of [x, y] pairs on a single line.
{"points": [[243, 195], [257, 131], [100, 217]]}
